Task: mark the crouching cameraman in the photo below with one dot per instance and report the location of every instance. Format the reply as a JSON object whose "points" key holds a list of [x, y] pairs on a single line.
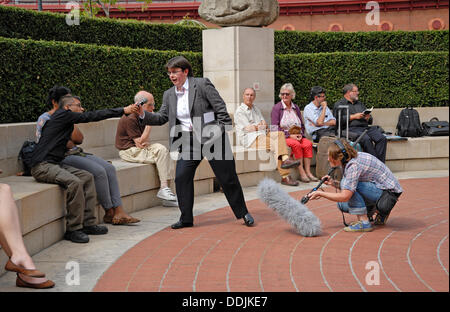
{"points": [[366, 184]]}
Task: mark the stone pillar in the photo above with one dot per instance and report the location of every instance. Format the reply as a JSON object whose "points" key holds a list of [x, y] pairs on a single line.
{"points": [[238, 57]]}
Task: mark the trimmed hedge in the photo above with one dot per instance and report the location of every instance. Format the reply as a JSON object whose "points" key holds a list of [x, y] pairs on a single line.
{"points": [[110, 76], [385, 79], [104, 77], [28, 24], [294, 42]]}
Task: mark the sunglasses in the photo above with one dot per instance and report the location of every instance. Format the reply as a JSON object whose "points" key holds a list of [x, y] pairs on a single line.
{"points": [[285, 94]]}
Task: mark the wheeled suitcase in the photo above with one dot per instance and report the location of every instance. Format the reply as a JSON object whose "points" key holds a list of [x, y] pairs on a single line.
{"points": [[322, 165]]}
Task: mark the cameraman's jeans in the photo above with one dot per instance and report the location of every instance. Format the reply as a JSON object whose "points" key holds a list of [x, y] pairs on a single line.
{"points": [[366, 193]]}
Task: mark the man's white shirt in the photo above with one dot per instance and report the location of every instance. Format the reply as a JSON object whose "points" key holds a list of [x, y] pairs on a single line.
{"points": [[243, 117], [183, 112]]}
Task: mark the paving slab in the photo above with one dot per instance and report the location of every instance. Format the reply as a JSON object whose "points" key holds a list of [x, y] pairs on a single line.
{"points": [[220, 254]]}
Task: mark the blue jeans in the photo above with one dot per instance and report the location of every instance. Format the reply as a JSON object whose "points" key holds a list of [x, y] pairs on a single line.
{"points": [[366, 194], [105, 178]]}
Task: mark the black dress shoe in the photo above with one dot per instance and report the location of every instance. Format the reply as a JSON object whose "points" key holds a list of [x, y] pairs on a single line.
{"points": [[76, 236], [180, 225], [248, 219], [95, 230]]}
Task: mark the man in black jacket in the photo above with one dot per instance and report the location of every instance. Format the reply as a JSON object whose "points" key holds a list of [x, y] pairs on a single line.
{"points": [[373, 142], [46, 167]]}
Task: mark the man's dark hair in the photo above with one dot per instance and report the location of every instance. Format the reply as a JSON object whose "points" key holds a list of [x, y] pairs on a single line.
{"points": [[65, 100], [315, 91], [347, 88], [180, 62], [56, 93]]}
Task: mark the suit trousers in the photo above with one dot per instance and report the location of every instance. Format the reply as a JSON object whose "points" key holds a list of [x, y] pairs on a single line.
{"points": [[373, 142], [81, 198], [225, 172]]}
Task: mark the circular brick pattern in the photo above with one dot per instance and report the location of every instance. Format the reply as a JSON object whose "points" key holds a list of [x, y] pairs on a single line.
{"points": [[220, 254]]}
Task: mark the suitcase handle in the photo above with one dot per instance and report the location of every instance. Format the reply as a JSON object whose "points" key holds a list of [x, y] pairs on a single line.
{"points": [[340, 108]]}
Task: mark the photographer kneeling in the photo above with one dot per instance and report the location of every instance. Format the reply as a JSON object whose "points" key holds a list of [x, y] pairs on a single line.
{"points": [[366, 183]]}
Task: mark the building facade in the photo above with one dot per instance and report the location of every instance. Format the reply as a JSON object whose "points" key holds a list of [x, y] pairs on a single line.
{"points": [[306, 15]]}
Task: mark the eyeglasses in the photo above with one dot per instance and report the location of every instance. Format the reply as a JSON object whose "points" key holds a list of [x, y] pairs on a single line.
{"points": [[174, 72], [285, 94], [321, 96]]}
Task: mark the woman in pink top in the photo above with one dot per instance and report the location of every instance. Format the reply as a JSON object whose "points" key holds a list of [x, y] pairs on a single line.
{"points": [[286, 114]]}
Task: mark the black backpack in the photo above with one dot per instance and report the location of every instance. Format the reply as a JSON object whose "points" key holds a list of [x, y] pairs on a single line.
{"points": [[25, 155], [409, 123]]}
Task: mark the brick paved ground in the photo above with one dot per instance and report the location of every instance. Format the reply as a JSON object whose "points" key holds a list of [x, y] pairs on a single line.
{"points": [[220, 254]]}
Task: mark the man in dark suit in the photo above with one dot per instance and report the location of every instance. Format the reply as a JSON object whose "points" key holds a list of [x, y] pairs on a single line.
{"points": [[197, 117]]}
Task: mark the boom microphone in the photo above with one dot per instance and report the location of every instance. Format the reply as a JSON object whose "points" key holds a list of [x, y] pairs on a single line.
{"points": [[305, 198], [296, 214]]}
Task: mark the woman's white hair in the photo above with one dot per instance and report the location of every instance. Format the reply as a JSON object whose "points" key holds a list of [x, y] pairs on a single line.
{"points": [[288, 86]]}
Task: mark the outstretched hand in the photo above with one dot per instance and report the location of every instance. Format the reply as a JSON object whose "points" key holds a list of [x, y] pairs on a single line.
{"points": [[133, 108]]}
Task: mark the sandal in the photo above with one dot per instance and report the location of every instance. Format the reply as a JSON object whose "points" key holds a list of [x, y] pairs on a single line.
{"points": [[21, 283], [313, 178], [12, 267], [124, 221], [304, 179]]}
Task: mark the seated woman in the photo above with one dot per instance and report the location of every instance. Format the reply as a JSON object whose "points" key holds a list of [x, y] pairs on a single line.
{"points": [[12, 243], [285, 115], [104, 173], [251, 132]]}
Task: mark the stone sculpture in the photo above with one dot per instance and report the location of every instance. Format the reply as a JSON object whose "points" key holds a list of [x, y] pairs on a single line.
{"points": [[239, 12]]}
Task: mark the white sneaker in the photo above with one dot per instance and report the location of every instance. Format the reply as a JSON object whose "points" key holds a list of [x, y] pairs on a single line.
{"points": [[166, 194], [170, 203]]}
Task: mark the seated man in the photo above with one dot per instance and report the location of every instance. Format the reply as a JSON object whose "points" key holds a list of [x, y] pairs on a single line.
{"points": [[251, 132], [319, 119], [105, 177], [132, 143], [47, 167], [373, 142]]}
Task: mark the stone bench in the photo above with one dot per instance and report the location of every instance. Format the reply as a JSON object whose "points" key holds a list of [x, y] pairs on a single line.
{"points": [[42, 206], [406, 155]]}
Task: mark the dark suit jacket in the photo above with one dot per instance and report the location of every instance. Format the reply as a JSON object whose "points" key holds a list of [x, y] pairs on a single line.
{"points": [[57, 131], [203, 98]]}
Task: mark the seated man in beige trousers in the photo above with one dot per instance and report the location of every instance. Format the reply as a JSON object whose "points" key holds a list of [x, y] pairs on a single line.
{"points": [[251, 130], [133, 145]]}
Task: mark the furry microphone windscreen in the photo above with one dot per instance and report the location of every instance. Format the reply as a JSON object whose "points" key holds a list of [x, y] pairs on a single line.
{"points": [[296, 214]]}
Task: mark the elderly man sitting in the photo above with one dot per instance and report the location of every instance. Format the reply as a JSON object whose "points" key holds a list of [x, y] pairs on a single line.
{"points": [[251, 132]]}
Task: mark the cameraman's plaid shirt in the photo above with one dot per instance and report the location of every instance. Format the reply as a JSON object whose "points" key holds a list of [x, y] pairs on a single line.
{"points": [[368, 168]]}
